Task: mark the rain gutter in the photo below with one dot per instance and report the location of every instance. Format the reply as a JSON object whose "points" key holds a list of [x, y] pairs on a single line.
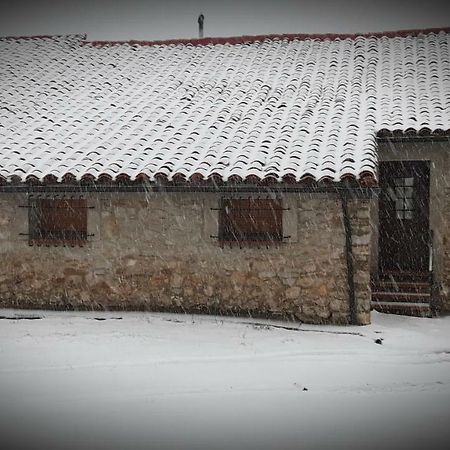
{"points": [[435, 138], [356, 191]]}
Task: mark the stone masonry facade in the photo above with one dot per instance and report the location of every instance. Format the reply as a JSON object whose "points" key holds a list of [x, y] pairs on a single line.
{"points": [[444, 285], [159, 251]]}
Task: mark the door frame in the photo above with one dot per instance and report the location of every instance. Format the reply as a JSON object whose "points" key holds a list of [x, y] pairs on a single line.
{"points": [[424, 166]]}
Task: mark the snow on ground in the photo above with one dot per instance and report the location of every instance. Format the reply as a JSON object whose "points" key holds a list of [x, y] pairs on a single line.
{"points": [[168, 381]]}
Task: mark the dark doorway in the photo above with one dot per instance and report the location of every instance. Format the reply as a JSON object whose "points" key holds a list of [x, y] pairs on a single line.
{"points": [[404, 231]]}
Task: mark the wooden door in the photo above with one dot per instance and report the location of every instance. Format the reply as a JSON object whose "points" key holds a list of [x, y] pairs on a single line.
{"points": [[404, 216]]}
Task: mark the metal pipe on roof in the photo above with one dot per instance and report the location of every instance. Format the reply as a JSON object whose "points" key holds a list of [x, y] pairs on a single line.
{"points": [[201, 19]]}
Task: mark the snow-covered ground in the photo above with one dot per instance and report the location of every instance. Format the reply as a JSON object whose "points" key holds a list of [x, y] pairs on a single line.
{"points": [[160, 381]]}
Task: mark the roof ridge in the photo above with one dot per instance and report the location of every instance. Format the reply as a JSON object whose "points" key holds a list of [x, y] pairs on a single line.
{"points": [[264, 37], [80, 36], [236, 39]]}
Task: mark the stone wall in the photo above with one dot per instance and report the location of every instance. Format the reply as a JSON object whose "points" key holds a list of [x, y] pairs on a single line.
{"points": [[360, 213], [157, 251], [444, 287]]}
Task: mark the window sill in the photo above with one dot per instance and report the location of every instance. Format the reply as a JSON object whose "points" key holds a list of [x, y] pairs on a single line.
{"points": [[234, 243], [56, 243]]}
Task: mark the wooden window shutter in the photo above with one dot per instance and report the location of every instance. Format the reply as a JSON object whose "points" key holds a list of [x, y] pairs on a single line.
{"points": [[251, 221], [58, 221]]}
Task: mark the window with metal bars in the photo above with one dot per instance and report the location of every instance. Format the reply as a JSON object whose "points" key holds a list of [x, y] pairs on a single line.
{"points": [[404, 197], [57, 221], [250, 221]]}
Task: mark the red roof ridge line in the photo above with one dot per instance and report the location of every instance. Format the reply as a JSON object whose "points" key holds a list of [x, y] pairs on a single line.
{"points": [[264, 37], [237, 39]]}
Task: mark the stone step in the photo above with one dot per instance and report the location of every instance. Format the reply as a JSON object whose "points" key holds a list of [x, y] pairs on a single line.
{"points": [[401, 286], [405, 275], [403, 308], [409, 297]]}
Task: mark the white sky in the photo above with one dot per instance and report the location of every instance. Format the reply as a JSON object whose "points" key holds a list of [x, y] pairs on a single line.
{"points": [[172, 19]]}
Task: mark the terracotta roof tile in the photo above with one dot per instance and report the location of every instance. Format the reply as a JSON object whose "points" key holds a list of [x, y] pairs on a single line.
{"points": [[274, 107]]}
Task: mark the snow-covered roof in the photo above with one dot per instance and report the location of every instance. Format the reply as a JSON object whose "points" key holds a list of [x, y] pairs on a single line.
{"points": [[276, 106]]}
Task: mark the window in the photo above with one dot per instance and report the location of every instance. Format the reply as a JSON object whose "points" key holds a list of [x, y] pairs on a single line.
{"points": [[250, 221], [404, 188], [57, 221]]}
